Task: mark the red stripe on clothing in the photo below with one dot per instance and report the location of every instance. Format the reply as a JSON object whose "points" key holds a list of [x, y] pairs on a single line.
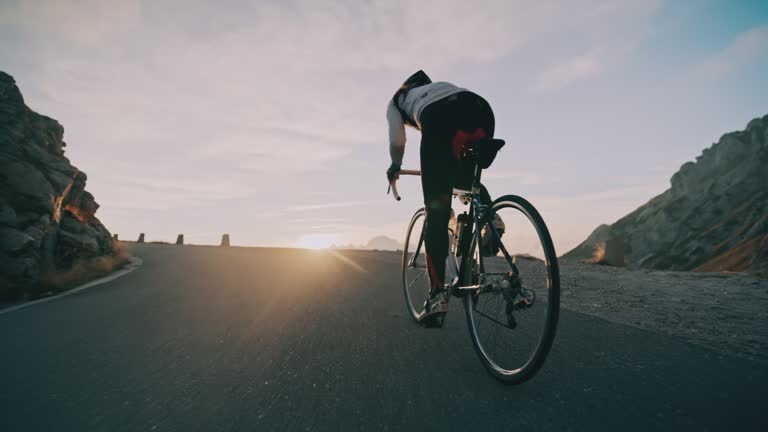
{"points": [[463, 140], [436, 283]]}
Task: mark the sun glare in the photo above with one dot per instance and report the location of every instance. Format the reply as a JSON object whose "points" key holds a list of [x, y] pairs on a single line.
{"points": [[316, 241]]}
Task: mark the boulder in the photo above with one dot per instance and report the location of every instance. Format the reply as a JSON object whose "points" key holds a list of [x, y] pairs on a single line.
{"points": [[77, 245], [71, 224], [14, 267], [30, 189], [13, 240], [37, 234], [7, 216]]}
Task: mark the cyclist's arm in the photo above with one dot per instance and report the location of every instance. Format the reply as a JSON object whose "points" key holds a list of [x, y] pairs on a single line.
{"points": [[396, 134]]}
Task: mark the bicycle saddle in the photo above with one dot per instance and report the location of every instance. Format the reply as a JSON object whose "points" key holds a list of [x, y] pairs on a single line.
{"points": [[484, 151]]}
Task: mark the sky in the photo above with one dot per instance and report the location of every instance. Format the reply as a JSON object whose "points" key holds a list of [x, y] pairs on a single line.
{"points": [[266, 119]]}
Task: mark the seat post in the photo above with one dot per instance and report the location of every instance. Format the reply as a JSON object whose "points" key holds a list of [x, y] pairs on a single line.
{"points": [[476, 178]]}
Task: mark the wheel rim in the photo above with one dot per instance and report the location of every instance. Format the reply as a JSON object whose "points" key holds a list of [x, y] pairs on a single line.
{"points": [[415, 279], [515, 353]]}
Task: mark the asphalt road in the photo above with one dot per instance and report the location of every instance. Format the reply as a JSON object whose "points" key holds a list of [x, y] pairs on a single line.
{"points": [[210, 339]]}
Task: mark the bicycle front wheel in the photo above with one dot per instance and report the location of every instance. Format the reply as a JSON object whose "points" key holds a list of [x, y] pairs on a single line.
{"points": [[415, 280], [513, 315]]}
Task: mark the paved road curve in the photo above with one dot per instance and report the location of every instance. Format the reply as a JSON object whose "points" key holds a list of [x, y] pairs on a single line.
{"points": [[210, 339]]}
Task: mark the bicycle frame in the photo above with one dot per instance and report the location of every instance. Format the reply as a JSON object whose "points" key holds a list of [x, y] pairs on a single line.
{"points": [[481, 215]]}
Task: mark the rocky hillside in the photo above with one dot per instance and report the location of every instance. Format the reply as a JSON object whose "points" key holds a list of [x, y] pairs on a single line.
{"points": [[713, 218], [47, 218]]}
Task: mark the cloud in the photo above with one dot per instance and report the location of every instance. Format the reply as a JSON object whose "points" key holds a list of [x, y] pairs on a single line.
{"points": [[593, 41], [85, 22], [161, 193], [524, 177], [568, 72], [331, 205], [634, 193], [747, 48]]}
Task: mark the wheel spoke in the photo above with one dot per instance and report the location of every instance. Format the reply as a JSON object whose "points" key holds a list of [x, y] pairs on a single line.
{"points": [[490, 318], [421, 274]]}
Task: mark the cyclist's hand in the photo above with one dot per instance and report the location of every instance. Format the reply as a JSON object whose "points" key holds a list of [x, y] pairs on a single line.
{"points": [[393, 171]]}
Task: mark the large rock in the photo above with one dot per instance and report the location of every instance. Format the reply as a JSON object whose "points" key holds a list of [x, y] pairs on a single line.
{"points": [[713, 218], [47, 218], [7, 216], [13, 241], [25, 186]]}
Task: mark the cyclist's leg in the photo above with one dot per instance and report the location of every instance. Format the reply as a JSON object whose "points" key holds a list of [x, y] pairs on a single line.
{"points": [[437, 175], [437, 185]]}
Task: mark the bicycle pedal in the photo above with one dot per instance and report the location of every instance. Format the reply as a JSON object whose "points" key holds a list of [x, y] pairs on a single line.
{"points": [[434, 320], [435, 317], [438, 308], [458, 292]]}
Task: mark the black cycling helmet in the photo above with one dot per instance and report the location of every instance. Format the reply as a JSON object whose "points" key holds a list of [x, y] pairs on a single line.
{"points": [[417, 79]]}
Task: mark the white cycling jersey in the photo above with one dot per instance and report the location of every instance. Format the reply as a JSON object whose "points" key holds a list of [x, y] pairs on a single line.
{"points": [[413, 103]]}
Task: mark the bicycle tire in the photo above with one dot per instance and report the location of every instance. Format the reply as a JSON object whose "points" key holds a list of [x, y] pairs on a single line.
{"points": [[537, 358], [409, 246]]}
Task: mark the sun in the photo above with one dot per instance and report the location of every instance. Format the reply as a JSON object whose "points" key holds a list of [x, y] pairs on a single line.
{"points": [[316, 241]]}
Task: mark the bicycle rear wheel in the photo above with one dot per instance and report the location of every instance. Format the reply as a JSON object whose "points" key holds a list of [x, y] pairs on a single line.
{"points": [[512, 318], [415, 280]]}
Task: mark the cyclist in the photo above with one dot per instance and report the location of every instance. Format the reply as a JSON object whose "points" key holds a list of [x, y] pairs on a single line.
{"points": [[450, 118]]}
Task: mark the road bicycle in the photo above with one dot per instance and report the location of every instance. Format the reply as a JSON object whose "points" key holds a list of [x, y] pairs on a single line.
{"points": [[510, 288]]}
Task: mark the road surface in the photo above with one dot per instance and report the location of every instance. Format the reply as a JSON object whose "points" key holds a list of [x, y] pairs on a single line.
{"points": [[229, 339]]}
